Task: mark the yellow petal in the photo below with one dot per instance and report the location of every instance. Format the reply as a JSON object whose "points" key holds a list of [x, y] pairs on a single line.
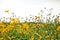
{"points": [[7, 11]]}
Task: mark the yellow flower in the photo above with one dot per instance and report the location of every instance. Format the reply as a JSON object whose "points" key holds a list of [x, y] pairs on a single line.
{"points": [[7, 11], [14, 20], [32, 38], [9, 27], [1, 38], [26, 32], [40, 38], [56, 20], [9, 38], [37, 17], [35, 25], [20, 28], [3, 31], [25, 25], [47, 36], [58, 28], [2, 25], [42, 25]]}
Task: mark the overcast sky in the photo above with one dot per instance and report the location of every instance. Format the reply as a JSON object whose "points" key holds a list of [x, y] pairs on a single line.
{"points": [[24, 8]]}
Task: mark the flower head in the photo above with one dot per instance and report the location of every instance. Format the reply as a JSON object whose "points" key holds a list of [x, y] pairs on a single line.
{"points": [[7, 11]]}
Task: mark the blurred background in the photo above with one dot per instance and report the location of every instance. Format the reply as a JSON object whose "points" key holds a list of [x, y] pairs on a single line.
{"points": [[25, 8]]}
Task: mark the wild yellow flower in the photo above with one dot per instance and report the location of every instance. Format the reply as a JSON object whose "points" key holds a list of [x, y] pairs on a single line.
{"points": [[2, 25], [42, 25], [14, 20], [40, 38], [25, 32], [47, 36], [20, 28], [35, 25], [56, 20], [58, 28], [25, 25], [9, 38], [3, 31], [9, 27], [7, 11], [32, 38], [37, 17], [1, 38]]}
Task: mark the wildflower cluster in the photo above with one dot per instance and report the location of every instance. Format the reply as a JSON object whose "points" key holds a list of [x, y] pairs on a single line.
{"points": [[27, 30]]}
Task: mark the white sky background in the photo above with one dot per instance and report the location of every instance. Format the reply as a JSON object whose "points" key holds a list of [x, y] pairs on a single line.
{"points": [[24, 8]]}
